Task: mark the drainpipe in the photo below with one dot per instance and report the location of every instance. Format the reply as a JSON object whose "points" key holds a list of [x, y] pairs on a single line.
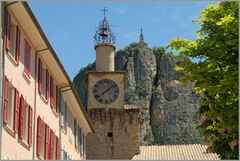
{"points": [[2, 72], [35, 97]]}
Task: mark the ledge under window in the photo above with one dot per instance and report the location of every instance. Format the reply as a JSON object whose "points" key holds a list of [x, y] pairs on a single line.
{"points": [[55, 112], [43, 98], [26, 145], [12, 59], [9, 130], [27, 78]]}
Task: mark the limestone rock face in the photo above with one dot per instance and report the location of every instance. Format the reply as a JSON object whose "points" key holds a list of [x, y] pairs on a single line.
{"points": [[168, 107]]}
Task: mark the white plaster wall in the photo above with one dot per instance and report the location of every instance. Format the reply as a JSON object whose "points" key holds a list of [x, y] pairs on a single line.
{"points": [[11, 147]]}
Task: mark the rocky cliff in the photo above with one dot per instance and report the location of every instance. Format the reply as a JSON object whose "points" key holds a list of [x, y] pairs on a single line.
{"points": [[168, 107]]}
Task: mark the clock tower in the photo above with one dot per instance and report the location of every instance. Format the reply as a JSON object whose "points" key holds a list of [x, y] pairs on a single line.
{"points": [[116, 125]]}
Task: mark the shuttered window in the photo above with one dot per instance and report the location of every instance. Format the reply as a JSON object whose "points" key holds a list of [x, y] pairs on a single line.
{"points": [[51, 91], [30, 126], [81, 141], [75, 134], [27, 52], [70, 126], [21, 119], [47, 85], [57, 99], [62, 109], [39, 76], [17, 52], [57, 148], [8, 30], [16, 110], [6, 90], [65, 116], [51, 146], [79, 138], [47, 142], [39, 136], [9, 101]]}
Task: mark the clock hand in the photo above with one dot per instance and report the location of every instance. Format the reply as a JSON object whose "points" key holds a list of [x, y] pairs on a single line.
{"points": [[111, 85]]}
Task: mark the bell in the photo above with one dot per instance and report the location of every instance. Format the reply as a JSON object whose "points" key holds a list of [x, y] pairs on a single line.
{"points": [[104, 33]]}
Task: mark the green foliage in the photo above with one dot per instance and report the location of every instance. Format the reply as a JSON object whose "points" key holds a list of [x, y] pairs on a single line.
{"points": [[132, 46], [159, 50], [215, 75]]}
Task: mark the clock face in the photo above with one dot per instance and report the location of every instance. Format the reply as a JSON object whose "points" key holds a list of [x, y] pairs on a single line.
{"points": [[106, 91]]}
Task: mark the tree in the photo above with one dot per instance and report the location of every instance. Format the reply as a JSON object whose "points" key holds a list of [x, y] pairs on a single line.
{"points": [[215, 75]]}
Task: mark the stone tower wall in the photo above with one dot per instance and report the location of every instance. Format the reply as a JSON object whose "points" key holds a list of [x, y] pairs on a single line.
{"points": [[116, 134], [104, 57]]}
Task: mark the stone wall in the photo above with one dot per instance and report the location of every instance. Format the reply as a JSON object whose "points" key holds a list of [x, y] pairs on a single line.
{"points": [[116, 134]]}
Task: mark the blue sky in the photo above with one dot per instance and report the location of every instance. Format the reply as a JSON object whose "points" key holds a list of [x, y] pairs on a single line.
{"points": [[70, 26]]}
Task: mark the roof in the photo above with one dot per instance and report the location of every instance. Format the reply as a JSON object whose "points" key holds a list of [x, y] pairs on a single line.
{"points": [[175, 152]]}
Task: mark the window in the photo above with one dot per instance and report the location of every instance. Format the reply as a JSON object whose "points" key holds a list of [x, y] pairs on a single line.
{"points": [[62, 109], [63, 153], [82, 143], [53, 147], [57, 98], [11, 106], [65, 116], [12, 37], [25, 122], [51, 92], [79, 139], [76, 133], [70, 126], [25, 136], [57, 148], [39, 76], [53, 95], [110, 134], [27, 53], [10, 111], [43, 80], [47, 141]]}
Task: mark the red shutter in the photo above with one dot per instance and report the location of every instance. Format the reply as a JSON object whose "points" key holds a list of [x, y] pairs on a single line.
{"points": [[17, 44], [39, 76], [8, 30], [51, 91], [16, 111], [39, 135], [47, 85], [57, 148], [6, 92], [57, 99], [47, 142], [21, 117], [30, 126], [27, 58], [51, 145]]}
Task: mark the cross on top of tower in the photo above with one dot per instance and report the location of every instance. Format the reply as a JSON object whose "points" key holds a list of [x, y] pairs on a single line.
{"points": [[104, 11]]}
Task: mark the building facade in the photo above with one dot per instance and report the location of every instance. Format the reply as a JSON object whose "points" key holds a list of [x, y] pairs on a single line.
{"points": [[42, 117]]}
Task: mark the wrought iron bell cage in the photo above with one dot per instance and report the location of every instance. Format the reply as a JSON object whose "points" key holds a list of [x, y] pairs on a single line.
{"points": [[103, 33]]}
